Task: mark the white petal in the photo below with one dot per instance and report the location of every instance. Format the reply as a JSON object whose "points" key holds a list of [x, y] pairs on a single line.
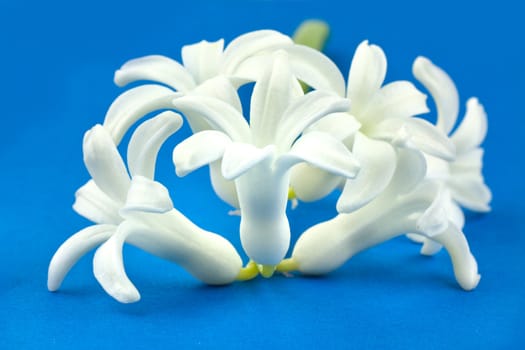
{"points": [[272, 94], [219, 87], [367, 73], [316, 69], [455, 214], [146, 141], [104, 163], [416, 238], [435, 219], [323, 151], [95, 205], [471, 161], [470, 192], [155, 68], [304, 112], [415, 133], [225, 189], [241, 157], [109, 271], [135, 104], [339, 125], [219, 114], [198, 150], [250, 44], [410, 171], [378, 163], [73, 249], [430, 247], [399, 99], [473, 129], [311, 183], [146, 195], [203, 59], [464, 263], [442, 89], [437, 168]]}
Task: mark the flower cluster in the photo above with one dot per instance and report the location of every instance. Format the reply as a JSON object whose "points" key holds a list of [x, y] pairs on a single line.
{"points": [[398, 173]]}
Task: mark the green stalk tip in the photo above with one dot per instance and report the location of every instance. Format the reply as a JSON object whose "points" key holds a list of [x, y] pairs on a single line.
{"points": [[312, 33]]}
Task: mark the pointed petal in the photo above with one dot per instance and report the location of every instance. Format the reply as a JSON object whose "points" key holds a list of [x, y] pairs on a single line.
{"points": [[473, 129], [410, 171], [367, 73], [135, 104], [219, 114], [109, 271], [399, 99], [442, 89], [203, 59], [95, 205], [241, 157], [198, 150], [470, 192], [146, 141], [378, 163], [316, 69], [430, 247], [323, 151], [251, 44], [219, 87], [464, 263], [104, 163], [73, 249], [272, 94], [304, 112], [158, 69], [415, 133], [455, 214], [435, 219], [339, 125], [146, 195]]}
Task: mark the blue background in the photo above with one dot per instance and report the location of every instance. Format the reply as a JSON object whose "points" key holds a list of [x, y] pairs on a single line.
{"points": [[57, 62]]}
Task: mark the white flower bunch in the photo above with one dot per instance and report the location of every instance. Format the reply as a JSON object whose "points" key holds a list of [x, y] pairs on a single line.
{"points": [[398, 173]]}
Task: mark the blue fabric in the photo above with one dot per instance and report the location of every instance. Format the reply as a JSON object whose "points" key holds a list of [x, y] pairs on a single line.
{"points": [[57, 62]]}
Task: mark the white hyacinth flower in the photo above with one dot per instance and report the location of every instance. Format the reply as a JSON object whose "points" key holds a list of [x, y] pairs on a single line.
{"points": [[399, 174], [258, 156], [137, 210], [462, 176], [406, 205], [208, 69], [381, 118]]}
